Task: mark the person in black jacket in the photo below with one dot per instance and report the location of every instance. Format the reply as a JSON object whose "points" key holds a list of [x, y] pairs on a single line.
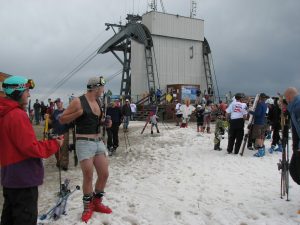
{"points": [[113, 132], [126, 112], [274, 116]]}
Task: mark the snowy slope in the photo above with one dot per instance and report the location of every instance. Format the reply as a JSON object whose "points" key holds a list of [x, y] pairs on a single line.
{"points": [[176, 178]]}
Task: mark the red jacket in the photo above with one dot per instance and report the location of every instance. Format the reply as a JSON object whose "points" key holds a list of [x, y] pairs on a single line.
{"points": [[20, 151]]}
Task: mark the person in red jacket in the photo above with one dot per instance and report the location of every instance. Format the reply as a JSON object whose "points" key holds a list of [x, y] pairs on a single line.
{"points": [[20, 154]]}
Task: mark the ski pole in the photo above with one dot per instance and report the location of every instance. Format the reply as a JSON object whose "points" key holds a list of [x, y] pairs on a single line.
{"points": [[128, 140], [125, 140]]}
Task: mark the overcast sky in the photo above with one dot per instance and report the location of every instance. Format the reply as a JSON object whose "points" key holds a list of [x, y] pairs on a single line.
{"points": [[255, 43]]}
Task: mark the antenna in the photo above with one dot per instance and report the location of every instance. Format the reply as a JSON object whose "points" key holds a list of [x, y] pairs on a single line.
{"points": [[193, 11], [162, 6], [153, 5]]}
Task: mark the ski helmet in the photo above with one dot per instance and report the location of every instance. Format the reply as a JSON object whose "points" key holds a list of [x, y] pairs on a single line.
{"points": [[270, 101], [95, 82], [14, 86]]}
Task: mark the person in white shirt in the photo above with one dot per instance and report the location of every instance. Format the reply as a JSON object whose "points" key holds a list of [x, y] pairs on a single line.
{"points": [[153, 121], [187, 109], [178, 112], [236, 114], [133, 110]]}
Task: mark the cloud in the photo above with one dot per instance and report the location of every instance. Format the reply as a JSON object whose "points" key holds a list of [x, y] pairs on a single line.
{"points": [[255, 44]]}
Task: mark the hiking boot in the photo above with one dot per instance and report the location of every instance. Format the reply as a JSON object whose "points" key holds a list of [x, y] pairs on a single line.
{"points": [[260, 153], [151, 131], [272, 149], [158, 131], [99, 207], [88, 208], [269, 135], [279, 149], [208, 130], [217, 147]]}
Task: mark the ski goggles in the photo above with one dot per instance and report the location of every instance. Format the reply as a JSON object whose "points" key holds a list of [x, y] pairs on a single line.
{"points": [[29, 85]]}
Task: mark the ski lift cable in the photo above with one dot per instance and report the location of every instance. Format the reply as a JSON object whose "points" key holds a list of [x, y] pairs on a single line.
{"points": [[80, 54], [212, 61], [71, 74], [76, 69], [111, 77]]}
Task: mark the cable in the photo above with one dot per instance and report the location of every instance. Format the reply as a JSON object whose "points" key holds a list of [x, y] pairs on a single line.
{"points": [[114, 75], [80, 53], [72, 73], [215, 75]]}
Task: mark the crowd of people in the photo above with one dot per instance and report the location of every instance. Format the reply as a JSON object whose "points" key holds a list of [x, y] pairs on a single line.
{"points": [[85, 114]]}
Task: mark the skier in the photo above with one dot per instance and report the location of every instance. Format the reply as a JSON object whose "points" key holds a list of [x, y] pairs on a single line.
{"points": [[113, 132], [207, 117], [270, 105], [90, 148], [20, 154], [133, 110], [178, 112], [236, 114], [200, 116], [153, 121], [126, 112], [219, 130], [293, 99], [37, 112], [62, 157], [274, 117], [187, 109], [259, 124], [158, 95]]}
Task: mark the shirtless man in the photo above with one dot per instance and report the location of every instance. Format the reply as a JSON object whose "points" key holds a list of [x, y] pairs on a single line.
{"points": [[90, 148]]}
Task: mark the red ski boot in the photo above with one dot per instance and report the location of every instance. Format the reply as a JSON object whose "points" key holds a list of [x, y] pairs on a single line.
{"points": [[99, 207], [87, 211]]}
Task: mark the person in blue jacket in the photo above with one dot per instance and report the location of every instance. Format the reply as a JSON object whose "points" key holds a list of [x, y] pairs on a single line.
{"points": [[293, 99], [259, 125]]}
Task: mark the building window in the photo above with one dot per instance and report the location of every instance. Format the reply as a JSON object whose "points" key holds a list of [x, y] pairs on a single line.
{"points": [[191, 52]]}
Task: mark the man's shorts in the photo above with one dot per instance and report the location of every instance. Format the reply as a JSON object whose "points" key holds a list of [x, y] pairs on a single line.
{"points": [[258, 131], [179, 115], [86, 149], [200, 123]]}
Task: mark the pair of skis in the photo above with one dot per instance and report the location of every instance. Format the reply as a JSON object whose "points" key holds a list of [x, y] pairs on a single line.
{"points": [[283, 164], [251, 121], [59, 208]]}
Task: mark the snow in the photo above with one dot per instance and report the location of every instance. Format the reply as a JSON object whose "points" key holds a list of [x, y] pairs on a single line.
{"points": [[175, 178]]}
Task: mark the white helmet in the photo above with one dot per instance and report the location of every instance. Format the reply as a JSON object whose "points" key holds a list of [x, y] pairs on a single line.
{"points": [[270, 101]]}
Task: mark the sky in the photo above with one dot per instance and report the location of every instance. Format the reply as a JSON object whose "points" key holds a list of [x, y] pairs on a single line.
{"points": [[255, 44]]}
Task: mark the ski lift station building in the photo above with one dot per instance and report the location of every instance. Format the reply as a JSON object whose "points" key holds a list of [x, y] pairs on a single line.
{"points": [[178, 59]]}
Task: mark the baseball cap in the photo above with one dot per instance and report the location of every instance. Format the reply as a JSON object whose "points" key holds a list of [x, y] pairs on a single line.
{"points": [[58, 100], [127, 100]]}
